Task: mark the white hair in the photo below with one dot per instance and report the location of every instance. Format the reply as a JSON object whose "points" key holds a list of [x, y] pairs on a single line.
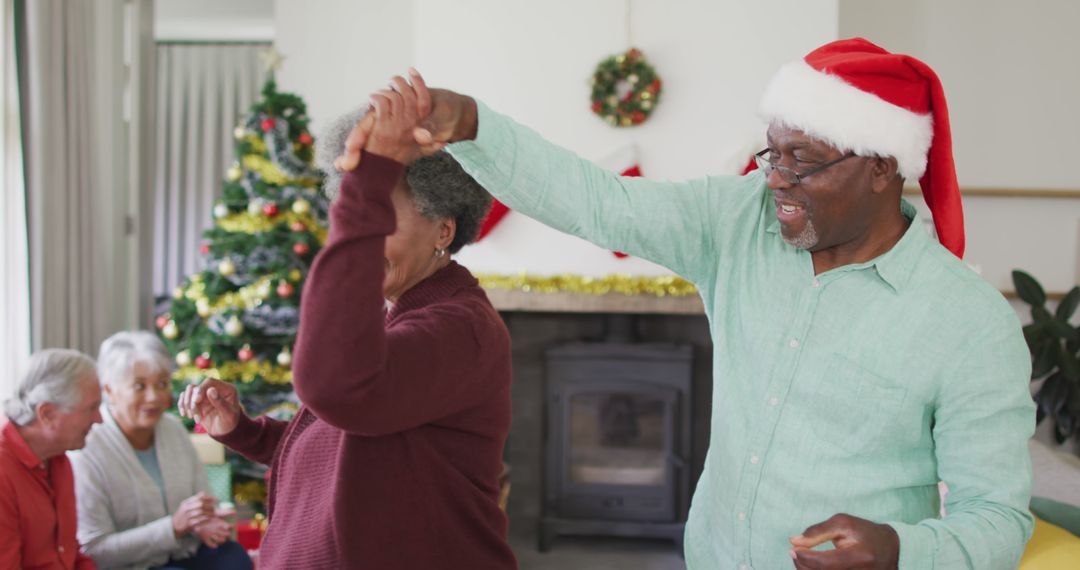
{"points": [[51, 375], [122, 351]]}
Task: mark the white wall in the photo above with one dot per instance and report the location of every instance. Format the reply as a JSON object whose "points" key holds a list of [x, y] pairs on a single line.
{"points": [[214, 20], [1012, 80]]}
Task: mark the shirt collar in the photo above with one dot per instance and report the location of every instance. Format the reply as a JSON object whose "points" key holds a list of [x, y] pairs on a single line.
{"points": [[894, 266], [13, 441]]}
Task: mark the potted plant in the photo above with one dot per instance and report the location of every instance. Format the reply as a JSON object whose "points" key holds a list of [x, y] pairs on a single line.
{"points": [[1055, 355]]}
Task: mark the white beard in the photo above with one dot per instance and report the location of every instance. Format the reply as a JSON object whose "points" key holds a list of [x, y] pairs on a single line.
{"points": [[807, 239]]}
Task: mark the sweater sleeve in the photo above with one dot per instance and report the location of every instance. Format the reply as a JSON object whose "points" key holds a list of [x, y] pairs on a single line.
{"points": [[255, 439], [352, 371], [97, 531]]}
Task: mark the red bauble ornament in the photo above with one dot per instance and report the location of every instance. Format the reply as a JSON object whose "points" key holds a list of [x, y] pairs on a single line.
{"points": [[245, 354], [267, 125], [270, 210], [298, 227], [654, 86], [161, 321], [597, 106], [301, 249], [285, 290], [204, 248], [305, 139], [203, 361], [637, 117]]}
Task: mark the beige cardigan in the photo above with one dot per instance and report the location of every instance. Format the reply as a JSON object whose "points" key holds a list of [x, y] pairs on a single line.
{"points": [[122, 521]]}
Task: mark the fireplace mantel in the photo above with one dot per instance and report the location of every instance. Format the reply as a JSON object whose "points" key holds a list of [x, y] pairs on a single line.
{"points": [[563, 302]]}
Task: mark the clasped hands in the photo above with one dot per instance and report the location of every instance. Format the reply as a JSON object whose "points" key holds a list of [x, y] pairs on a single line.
{"points": [[408, 120]]}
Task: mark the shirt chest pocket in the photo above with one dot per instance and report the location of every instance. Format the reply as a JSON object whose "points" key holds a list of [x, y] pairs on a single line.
{"points": [[859, 408]]}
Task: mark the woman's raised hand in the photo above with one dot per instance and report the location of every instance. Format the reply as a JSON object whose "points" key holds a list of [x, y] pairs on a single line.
{"points": [[213, 404]]}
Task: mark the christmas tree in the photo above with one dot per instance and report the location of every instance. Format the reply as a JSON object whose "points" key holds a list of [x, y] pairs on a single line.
{"points": [[237, 319]]}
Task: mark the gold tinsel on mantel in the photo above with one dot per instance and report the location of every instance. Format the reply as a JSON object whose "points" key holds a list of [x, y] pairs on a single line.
{"points": [[657, 286]]}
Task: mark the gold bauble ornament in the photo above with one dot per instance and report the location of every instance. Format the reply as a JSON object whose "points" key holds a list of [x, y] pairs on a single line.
{"points": [[613, 100], [183, 358], [620, 58], [301, 206], [626, 122], [239, 132], [178, 293], [226, 267], [295, 275], [234, 173], [263, 290], [284, 357], [170, 330], [233, 327], [221, 210], [632, 78], [202, 306], [645, 95], [646, 105]]}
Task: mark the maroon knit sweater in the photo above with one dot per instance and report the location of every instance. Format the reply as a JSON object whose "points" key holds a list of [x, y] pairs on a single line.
{"points": [[393, 460]]}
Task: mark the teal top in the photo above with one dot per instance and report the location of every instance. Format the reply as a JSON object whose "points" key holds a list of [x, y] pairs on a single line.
{"points": [[148, 459], [853, 391]]}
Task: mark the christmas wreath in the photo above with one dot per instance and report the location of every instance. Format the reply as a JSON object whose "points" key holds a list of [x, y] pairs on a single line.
{"points": [[625, 89]]}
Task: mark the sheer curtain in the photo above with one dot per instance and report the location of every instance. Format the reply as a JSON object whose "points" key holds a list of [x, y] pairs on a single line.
{"points": [[204, 91], [86, 100], [15, 283]]}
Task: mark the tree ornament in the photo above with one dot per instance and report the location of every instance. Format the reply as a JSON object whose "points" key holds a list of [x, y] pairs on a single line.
{"points": [[202, 361], [183, 358], [226, 267], [204, 248], [630, 75], [270, 210], [245, 354], [285, 290], [288, 112], [233, 326], [305, 139], [255, 206], [239, 132], [298, 227], [178, 292], [296, 275], [162, 320], [220, 210], [263, 291], [170, 330], [234, 173], [301, 249], [267, 124], [301, 206], [202, 307], [284, 357]]}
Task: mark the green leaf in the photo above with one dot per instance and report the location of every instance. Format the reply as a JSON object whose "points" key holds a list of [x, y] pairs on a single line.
{"points": [[1067, 306], [1028, 289], [1033, 333], [1041, 315], [1070, 366], [1045, 359], [1061, 329]]}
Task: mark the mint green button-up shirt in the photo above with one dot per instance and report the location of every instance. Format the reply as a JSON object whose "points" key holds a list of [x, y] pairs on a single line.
{"points": [[853, 391]]}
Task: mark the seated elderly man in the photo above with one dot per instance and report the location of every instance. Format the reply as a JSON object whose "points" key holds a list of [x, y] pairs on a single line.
{"points": [[143, 496], [55, 404]]}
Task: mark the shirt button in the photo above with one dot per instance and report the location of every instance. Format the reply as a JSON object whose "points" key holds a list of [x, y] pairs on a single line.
{"points": [[742, 516], [755, 459], [774, 401], [794, 343], [817, 283]]}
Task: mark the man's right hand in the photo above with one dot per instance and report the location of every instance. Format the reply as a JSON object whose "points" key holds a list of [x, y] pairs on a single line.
{"points": [[192, 512], [213, 404], [445, 117]]}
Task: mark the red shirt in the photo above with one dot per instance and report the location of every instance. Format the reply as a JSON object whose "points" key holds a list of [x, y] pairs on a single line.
{"points": [[37, 508], [393, 462]]}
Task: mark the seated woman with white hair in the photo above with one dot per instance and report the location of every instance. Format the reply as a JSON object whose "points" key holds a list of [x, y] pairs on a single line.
{"points": [[142, 494]]}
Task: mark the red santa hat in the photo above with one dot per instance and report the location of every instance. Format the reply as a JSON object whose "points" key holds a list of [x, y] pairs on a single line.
{"points": [[860, 98]]}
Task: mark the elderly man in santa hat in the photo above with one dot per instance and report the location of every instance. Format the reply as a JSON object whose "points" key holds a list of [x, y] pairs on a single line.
{"points": [[858, 361]]}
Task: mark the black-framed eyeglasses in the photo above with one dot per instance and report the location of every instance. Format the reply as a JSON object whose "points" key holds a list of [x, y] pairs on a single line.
{"points": [[788, 175]]}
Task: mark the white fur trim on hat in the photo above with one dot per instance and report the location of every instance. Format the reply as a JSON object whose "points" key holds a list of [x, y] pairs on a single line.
{"points": [[826, 107]]}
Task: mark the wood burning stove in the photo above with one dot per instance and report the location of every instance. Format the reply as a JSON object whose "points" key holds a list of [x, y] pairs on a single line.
{"points": [[617, 440]]}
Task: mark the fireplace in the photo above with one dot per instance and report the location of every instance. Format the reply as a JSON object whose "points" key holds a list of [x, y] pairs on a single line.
{"points": [[617, 440]]}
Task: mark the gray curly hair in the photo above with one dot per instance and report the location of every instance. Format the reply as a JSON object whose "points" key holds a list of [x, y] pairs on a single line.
{"points": [[440, 188]]}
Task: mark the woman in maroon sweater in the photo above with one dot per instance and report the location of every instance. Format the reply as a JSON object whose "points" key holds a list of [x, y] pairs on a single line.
{"points": [[403, 369]]}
